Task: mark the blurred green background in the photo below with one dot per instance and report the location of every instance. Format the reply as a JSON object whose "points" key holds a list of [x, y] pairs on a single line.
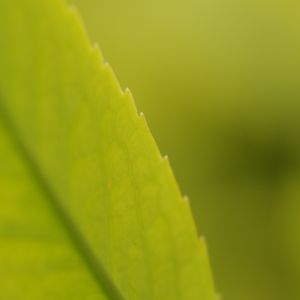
{"points": [[219, 82]]}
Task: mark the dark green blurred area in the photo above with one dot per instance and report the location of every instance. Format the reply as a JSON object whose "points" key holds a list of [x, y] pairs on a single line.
{"points": [[219, 82]]}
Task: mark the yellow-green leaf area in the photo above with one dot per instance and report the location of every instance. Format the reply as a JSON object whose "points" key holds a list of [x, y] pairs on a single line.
{"points": [[88, 207]]}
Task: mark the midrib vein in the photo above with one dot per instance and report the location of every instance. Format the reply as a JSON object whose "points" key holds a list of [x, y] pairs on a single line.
{"points": [[88, 256]]}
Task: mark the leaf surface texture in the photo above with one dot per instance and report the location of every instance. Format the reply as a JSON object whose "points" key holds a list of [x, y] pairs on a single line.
{"points": [[88, 207]]}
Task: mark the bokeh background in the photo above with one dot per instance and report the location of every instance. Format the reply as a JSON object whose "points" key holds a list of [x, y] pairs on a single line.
{"points": [[219, 82]]}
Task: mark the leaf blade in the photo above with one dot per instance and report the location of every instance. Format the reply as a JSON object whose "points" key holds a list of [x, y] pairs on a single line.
{"points": [[110, 179], [78, 242]]}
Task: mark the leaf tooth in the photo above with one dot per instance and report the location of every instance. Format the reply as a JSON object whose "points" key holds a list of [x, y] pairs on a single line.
{"points": [[186, 199], [187, 205], [96, 48], [127, 91], [166, 157], [127, 94], [113, 77], [166, 160], [106, 65], [202, 238]]}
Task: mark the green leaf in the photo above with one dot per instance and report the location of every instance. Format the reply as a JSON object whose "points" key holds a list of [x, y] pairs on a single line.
{"points": [[88, 207]]}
